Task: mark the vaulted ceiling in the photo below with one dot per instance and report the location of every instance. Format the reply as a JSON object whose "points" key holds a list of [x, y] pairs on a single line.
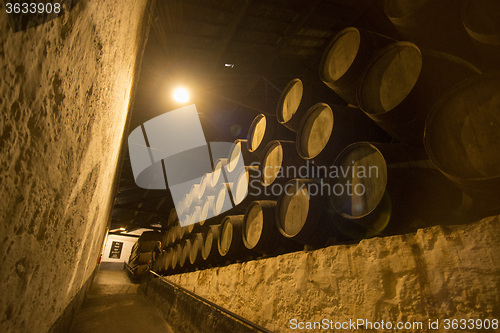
{"points": [[235, 56]]}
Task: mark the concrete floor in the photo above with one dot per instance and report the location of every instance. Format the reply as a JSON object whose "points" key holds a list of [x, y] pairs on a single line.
{"points": [[114, 304]]}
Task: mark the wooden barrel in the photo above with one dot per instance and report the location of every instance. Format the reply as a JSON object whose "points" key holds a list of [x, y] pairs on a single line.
{"points": [[390, 189], [217, 174], [345, 58], [263, 130], [325, 131], [403, 82], [207, 211], [280, 157], [205, 186], [260, 233], [165, 263], [247, 187], [223, 201], [209, 250], [433, 24], [165, 242], [230, 244], [239, 156], [481, 21], [176, 254], [195, 250], [184, 255], [172, 216], [195, 224], [462, 136], [195, 199], [297, 97], [301, 213]]}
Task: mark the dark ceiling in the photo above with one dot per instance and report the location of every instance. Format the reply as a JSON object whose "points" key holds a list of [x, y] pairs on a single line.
{"points": [[269, 42]]}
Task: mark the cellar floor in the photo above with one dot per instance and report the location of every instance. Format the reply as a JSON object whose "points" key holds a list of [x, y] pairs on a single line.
{"points": [[113, 304]]}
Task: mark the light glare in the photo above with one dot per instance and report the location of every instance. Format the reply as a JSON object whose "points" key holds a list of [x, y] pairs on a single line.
{"points": [[181, 95]]}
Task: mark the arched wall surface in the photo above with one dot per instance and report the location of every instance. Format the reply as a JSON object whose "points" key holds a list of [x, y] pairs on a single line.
{"points": [[65, 89]]}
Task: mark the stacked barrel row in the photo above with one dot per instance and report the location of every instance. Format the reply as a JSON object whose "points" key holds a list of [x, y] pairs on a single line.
{"points": [[140, 256], [322, 170]]}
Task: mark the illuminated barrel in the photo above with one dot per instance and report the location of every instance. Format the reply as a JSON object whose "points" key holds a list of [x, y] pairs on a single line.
{"points": [[184, 253], [279, 159], [176, 254], [297, 97], [230, 244], [462, 137], [195, 250], [239, 156], [247, 188], [390, 189], [218, 175], [193, 226], [403, 82], [345, 58], [302, 213], [325, 131], [205, 186], [209, 251], [260, 233], [263, 130]]}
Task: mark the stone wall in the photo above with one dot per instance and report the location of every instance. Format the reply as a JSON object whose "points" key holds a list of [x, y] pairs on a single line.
{"points": [[437, 273], [65, 89]]}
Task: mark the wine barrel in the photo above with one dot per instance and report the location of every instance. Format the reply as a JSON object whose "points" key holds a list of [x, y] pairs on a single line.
{"points": [[223, 201], [184, 255], [177, 249], [481, 21], [403, 82], [195, 250], [434, 24], [230, 243], [172, 216], [297, 97], [239, 156], [345, 58], [301, 213], [217, 175], [164, 263], [195, 223], [247, 187], [260, 233], [462, 136], [209, 251], [390, 189], [207, 211], [205, 186], [280, 157], [263, 130], [164, 240], [325, 131]]}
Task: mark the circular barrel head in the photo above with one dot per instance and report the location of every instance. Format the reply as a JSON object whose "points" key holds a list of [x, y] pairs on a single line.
{"points": [[390, 78], [315, 131]]}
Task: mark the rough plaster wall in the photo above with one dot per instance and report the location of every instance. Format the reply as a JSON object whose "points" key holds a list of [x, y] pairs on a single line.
{"points": [[64, 95], [437, 273]]}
